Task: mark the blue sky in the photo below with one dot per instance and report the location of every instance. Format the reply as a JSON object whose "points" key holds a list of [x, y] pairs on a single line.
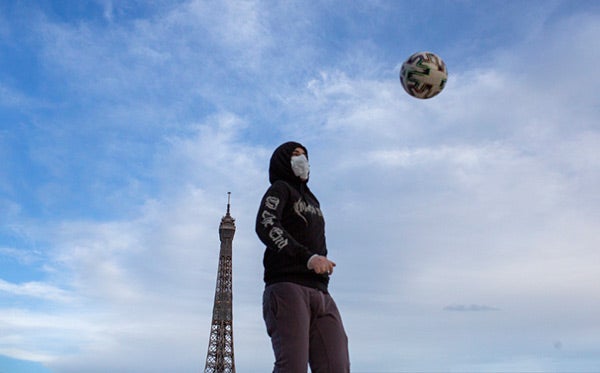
{"points": [[465, 227]]}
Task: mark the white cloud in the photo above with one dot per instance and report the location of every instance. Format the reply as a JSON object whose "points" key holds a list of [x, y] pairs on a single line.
{"points": [[21, 256], [151, 279], [36, 290], [108, 9], [9, 97], [238, 26], [470, 308]]}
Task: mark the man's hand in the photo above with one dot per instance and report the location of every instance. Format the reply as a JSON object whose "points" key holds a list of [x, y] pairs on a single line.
{"points": [[320, 264]]}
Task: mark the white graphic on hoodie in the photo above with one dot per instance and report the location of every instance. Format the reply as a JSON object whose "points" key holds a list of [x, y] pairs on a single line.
{"points": [[301, 207], [272, 202], [268, 219], [279, 240]]}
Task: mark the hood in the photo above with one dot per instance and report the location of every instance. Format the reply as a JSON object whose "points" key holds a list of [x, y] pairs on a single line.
{"points": [[280, 167]]}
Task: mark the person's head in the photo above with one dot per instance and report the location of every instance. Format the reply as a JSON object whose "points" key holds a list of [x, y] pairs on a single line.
{"points": [[280, 167]]}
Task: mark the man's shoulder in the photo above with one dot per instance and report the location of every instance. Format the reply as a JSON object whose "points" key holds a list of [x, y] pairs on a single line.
{"points": [[284, 190], [282, 186]]}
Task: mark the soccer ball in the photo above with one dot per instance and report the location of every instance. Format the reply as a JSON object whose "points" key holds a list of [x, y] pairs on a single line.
{"points": [[423, 75]]}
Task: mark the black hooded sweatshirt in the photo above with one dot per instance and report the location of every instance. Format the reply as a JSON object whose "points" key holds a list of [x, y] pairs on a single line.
{"points": [[290, 223]]}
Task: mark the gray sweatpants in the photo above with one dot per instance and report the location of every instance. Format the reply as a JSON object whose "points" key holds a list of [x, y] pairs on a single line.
{"points": [[305, 327]]}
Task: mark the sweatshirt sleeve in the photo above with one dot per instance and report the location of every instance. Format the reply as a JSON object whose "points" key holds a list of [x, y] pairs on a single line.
{"points": [[269, 228]]}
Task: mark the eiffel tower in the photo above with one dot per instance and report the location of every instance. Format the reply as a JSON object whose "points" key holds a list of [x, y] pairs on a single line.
{"points": [[219, 358]]}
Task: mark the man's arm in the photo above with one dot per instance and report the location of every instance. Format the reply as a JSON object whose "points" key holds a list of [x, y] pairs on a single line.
{"points": [[269, 228]]}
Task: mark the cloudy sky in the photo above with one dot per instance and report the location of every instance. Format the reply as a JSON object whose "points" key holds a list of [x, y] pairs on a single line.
{"points": [[466, 227]]}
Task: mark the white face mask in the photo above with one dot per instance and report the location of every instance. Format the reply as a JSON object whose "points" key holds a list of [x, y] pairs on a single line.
{"points": [[300, 166]]}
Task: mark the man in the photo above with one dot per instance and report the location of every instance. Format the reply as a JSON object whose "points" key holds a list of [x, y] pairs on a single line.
{"points": [[301, 317]]}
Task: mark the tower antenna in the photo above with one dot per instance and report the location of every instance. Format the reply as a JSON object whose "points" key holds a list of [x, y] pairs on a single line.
{"points": [[228, 201]]}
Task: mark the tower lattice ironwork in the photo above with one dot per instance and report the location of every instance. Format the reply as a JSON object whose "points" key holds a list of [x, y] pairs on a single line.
{"points": [[219, 358]]}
